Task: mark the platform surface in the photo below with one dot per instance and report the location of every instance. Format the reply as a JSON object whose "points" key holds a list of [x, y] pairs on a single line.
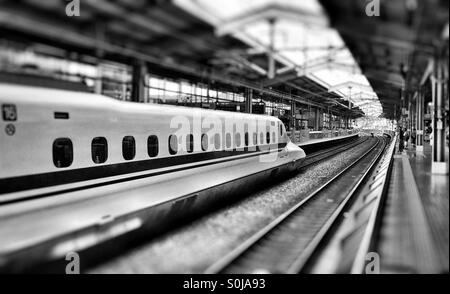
{"points": [[323, 140], [434, 194], [414, 234]]}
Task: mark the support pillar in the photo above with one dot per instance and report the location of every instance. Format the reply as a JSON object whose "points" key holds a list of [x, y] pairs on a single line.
{"points": [[271, 70], [139, 93], [293, 110], [249, 101], [100, 36], [98, 81], [309, 116], [419, 121], [439, 166], [410, 116], [317, 122], [330, 122]]}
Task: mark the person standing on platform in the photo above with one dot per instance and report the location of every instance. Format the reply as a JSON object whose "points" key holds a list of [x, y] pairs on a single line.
{"points": [[413, 137], [431, 136], [446, 135], [406, 137], [400, 143]]}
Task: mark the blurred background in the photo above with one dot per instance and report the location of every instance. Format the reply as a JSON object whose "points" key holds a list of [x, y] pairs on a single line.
{"points": [[314, 64]]}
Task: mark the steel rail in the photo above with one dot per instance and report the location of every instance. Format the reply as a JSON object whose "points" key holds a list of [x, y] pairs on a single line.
{"points": [[329, 152], [229, 259]]}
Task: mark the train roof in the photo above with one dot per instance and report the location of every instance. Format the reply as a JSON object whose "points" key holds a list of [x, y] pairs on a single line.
{"points": [[47, 96]]}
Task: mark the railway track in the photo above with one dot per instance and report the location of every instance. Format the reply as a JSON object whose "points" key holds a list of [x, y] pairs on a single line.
{"points": [[329, 152], [286, 244], [321, 155]]}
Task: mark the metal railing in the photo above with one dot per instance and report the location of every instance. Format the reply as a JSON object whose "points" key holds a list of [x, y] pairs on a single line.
{"points": [[306, 135]]}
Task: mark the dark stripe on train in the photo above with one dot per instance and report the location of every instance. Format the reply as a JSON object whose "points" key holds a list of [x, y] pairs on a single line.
{"points": [[28, 182]]}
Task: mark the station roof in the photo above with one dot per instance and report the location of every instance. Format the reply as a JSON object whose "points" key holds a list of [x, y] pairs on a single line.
{"points": [[394, 48], [157, 32], [296, 33], [230, 41]]}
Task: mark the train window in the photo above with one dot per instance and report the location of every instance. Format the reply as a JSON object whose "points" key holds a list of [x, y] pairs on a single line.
{"points": [[152, 146], [173, 144], [99, 150], [273, 137], [261, 138], [217, 141], [228, 140], [204, 142], [246, 139], [62, 152], [268, 138], [237, 139], [128, 147], [190, 143], [255, 139], [281, 129], [61, 115]]}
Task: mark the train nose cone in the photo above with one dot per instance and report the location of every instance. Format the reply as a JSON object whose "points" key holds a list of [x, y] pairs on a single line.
{"points": [[296, 154], [295, 150]]}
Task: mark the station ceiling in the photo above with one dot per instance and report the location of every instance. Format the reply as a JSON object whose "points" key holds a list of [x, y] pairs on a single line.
{"points": [[179, 40], [391, 48]]}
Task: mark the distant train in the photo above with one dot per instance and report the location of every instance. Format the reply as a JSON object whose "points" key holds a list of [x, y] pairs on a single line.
{"points": [[55, 141]]}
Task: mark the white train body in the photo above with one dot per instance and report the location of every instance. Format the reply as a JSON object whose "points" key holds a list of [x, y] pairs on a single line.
{"points": [[34, 118], [61, 190]]}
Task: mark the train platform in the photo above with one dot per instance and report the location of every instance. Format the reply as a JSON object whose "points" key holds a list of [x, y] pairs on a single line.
{"points": [[327, 140], [414, 234], [311, 145]]}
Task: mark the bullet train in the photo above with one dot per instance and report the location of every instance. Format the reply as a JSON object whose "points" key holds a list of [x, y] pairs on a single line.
{"points": [[61, 147], [54, 140]]}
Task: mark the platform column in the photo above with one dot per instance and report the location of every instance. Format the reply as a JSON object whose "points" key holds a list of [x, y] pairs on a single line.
{"points": [[139, 92], [439, 166], [329, 119], [409, 116], [317, 124], [99, 54], [414, 120], [249, 101], [419, 121], [309, 116], [293, 110], [98, 81]]}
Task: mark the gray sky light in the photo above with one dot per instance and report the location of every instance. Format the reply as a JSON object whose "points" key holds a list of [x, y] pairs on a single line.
{"points": [[298, 44]]}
